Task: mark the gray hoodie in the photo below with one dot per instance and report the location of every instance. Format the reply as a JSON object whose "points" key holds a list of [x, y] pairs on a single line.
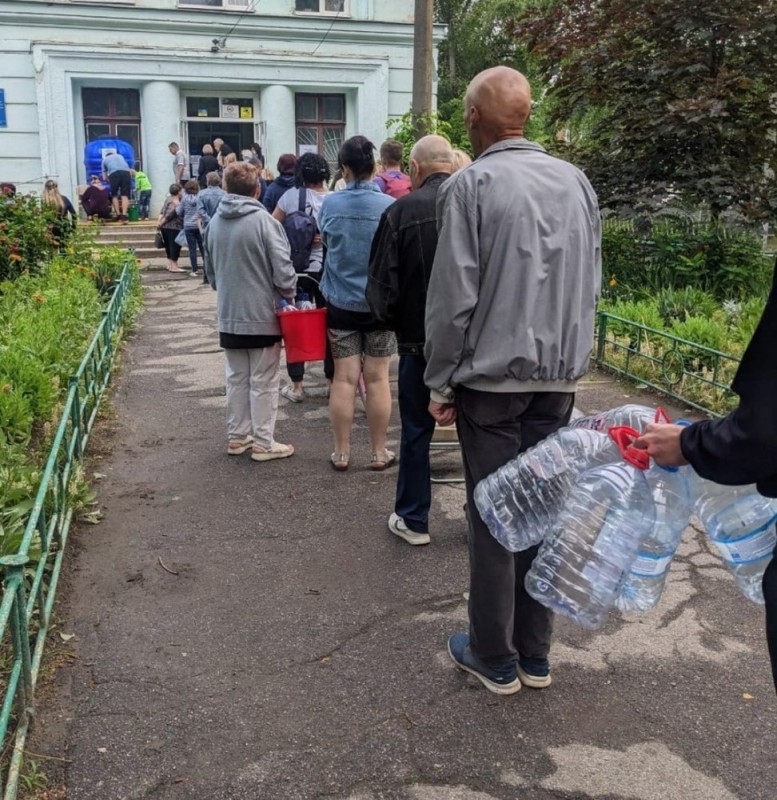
{"points": [[516, 276], [248, 263]]}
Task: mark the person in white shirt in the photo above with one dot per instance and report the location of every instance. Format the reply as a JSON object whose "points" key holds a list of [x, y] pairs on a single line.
{"points": [[180, 163]]}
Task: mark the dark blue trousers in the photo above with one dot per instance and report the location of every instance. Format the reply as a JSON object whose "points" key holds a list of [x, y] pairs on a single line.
{"points": [[414, 487]]}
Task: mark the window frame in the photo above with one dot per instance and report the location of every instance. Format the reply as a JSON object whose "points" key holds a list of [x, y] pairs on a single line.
{"points": [[319, 123], [322, 12], [243, 8]]}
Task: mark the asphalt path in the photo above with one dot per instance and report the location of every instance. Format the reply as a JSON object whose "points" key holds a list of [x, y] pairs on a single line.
{"points": [[299, 649]]}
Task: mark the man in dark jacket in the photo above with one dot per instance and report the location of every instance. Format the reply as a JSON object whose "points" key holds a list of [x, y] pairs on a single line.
{"points": [[287, 165], [400, 265], [740, 448]]}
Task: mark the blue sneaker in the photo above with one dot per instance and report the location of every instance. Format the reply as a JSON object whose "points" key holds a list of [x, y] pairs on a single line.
{"points": [[534, 672], [500, 680]]}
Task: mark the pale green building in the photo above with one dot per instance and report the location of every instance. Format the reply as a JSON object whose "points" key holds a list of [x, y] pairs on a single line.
{"points": [[293, 75]]}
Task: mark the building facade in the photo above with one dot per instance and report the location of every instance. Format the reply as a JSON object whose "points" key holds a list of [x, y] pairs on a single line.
{"points": [[293, 75]]}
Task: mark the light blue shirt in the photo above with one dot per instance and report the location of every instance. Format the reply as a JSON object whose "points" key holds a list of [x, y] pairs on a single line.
{"points": [[348, 221], [114, 162]]}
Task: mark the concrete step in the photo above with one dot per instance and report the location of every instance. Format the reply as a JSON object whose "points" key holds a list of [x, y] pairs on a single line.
{"points": [[152, 252]]}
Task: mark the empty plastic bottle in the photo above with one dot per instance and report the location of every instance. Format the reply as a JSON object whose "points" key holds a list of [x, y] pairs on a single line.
{"points": [[741, 523], [672, 508], [285, 305], [583, 562], [631, 415], [303, 302], [520, 501]]}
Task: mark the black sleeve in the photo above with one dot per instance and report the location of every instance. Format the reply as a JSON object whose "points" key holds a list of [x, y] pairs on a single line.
{"points": [[383, 275]]}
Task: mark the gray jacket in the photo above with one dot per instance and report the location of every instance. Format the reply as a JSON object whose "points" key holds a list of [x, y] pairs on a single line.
{"points": [[516, 276], [248, 263]]}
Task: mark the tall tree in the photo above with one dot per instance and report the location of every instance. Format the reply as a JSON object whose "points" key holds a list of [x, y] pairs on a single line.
{"points": [[477, 38], [664, 98]]}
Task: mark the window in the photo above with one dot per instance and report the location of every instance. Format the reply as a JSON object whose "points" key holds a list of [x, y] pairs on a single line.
{"points": [[219, 107], [320, 124], [227, 5], [113, 114], [321, 6]]}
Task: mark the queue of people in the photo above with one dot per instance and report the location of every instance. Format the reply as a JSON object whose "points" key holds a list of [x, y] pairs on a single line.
{"points": [[483, 276]]}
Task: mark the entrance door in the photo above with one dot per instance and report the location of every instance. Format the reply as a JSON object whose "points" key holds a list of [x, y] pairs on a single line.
{"points": [[113, 113], [238, 135]]}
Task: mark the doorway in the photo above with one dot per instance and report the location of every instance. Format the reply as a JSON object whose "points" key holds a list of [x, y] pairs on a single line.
{"points": [[238, 135]]}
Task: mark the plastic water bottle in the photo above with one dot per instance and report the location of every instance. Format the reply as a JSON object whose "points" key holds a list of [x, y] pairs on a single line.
{"points": [[631, 415], [303, 302], [520, 501], [741, 523], [583, 562], [672, 508], [285, 305]]}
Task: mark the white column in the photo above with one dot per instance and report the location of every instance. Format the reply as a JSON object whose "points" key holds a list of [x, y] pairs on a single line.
{"points": [[276, 107], [160, 106]]}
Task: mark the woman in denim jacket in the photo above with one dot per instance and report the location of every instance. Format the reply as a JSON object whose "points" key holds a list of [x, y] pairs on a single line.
{"points": [[187, 209], [347, 221]]}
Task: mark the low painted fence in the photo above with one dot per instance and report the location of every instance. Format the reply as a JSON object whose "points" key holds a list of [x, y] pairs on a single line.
{"points": [[697, 376], [32, 573]]}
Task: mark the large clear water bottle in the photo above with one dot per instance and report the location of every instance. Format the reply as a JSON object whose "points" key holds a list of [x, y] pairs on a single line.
{"points": [[520, 501], [631, 415], [672, 508], [741, 523], [582, 564]]}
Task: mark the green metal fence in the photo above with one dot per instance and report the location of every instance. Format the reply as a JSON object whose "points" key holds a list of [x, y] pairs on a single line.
{"points": [[697, 376], [28, 599]]}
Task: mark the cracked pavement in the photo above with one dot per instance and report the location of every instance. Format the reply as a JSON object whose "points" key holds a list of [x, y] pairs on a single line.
{"points": [[300, 651]]}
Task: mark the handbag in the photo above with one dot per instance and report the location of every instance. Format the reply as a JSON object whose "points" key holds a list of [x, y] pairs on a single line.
{"points": [[159, 240], [181, 238]]}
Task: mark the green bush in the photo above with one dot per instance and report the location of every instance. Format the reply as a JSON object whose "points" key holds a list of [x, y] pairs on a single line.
{"points": [[708, 332], [644, 312], [649, 256], [48, 316], [25, 239], [46, 322], [679, 304]]}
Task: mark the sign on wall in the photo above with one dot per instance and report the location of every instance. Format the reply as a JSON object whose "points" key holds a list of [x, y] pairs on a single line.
{"points": [[3, 117]]}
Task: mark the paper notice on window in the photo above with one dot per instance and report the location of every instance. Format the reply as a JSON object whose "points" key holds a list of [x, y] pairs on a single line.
{"points": [[229, 111], [306, 148]]}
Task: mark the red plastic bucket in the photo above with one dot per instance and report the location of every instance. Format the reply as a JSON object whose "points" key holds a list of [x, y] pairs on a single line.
{"points": [[304, 334]]}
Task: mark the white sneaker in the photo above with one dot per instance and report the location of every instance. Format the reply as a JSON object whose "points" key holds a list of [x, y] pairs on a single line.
{"points": [[397, 526], [277, 450], [289, 393]]}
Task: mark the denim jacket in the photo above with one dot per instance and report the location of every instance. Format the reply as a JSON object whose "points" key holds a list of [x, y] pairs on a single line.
{"points": [[187, 209], [348, 221]]}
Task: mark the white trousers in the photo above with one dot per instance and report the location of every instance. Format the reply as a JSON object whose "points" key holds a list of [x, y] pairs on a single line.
{"points": [[253, 378]]}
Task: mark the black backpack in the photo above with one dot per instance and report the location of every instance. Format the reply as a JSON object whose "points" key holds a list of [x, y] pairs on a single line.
{"points": [[300, 230]]}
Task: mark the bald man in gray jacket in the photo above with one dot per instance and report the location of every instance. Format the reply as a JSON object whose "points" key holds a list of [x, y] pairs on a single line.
{"points": [[509, 331]]}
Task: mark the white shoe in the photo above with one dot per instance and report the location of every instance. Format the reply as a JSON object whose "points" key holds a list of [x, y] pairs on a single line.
{"points": [[289, 393], [236, 447], [397, 526], [277, 450]]}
